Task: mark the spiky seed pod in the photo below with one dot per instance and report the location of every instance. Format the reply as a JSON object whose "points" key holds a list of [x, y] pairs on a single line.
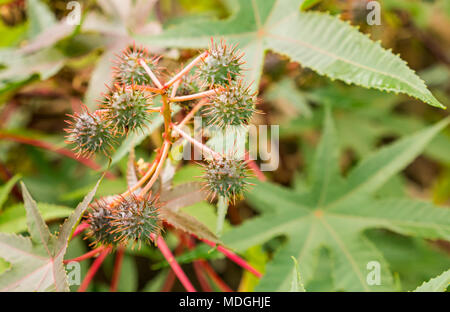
{"points": [[90, 133], [100, 230], [129, 71], [232, 105], [135, 219], [221, 64], [226, 177], [127, 109]]}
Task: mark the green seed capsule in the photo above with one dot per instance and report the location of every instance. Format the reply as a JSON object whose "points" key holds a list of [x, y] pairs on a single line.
{"points": [[221, 65], [127, 109], [226, 177]]}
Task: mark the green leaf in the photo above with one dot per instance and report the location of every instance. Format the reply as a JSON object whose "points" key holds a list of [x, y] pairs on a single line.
{"points": [[334, 213], [297, 285], [364, 117], [319, 41], [128, 280], [6, 188], [289, 98], [376, 169], [102, 75], [398, 250], [131, 175], [309, 3], [13, 219], [439, 283], [39, 16], [156, 283], [37, 261], [72, 221], [335, 49], [183, 195], [188, 224], [325, 170], [36, 225], [11, 35], [23, 68]]}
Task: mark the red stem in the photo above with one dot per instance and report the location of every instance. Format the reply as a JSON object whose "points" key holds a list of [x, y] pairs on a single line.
{"points": [[216, 278], [185, 70], [193, 96], [168, 284], [87, 255], [235, 258], [117, 268], [199, 272], [80, 228], [165, 152], [151, 74], [173, 263], [150, 89], [203, 266], [93, 270], [59, 150], [252, 165], [201, 277]]}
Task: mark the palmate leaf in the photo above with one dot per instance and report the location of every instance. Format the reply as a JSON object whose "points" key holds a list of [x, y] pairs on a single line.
{"points": [[362, 117], [296, 285], [14, 220], [319, 41], [188, 224], [183, 195], [289, 99], [335, 211], [37, 261], [6, 188], [439, 283], [399, 250], [40, 17]]}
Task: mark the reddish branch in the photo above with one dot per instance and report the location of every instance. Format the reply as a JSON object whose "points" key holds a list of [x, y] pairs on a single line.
{"points": [[201, 276], [173, 263], [93, 269], [192, 96], [117, 269], [199, 272], [214, 276], [59, 150], [252, 165], [87, 255], [170, 280], [203, 267], [80, 228], [235, 258], [185, 70]]}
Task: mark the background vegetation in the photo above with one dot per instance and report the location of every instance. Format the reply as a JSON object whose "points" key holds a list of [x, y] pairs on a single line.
{"points": [[49, 67]]}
